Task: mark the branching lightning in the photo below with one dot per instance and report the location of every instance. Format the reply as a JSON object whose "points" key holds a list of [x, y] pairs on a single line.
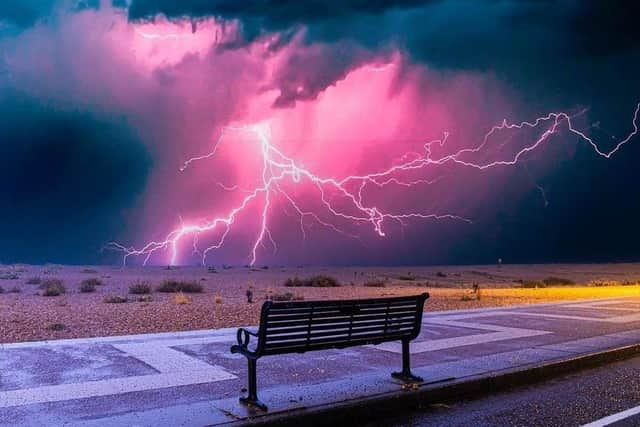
{"points": [[344, 200]]}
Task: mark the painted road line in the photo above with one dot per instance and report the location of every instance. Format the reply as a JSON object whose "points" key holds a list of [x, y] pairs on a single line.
{"points": [[494, 333], [611, 419], [174, 369]]}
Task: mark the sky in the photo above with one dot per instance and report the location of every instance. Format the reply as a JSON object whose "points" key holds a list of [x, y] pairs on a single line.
{"points": [[284, 132]]}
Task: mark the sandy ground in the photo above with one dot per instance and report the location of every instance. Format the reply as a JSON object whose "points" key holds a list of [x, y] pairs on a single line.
{"points": [[27, 315]]}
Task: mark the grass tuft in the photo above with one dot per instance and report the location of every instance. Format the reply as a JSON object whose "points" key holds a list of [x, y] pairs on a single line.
{"points": [[52, 288], [89, 285], [140, 287], [533, 284], [173, 286], [558, 281], [35, 280], [319, 281], [115, 299], [375, 283], [181, 299]]}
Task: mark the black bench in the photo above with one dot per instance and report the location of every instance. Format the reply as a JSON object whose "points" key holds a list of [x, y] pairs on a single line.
{"points": [[301, 326]]}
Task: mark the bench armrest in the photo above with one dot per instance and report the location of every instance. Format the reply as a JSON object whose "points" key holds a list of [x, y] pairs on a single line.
{"points": [[244, 339]]}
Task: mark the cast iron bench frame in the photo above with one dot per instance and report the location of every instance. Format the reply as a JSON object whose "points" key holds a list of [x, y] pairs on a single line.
{"points": [[302, 326]]}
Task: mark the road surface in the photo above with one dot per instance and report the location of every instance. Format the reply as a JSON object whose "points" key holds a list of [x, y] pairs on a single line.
{"points": [[576, 399]]}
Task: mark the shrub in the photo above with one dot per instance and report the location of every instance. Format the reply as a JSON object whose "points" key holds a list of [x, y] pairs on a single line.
{"points": [[407, 277], [9, 276], [217, 299], [52, 288], [319, 281], [441, 274], [35, 280], [89, 271], [181, 299], [191, 287], [94, 281], [115, 299], [531, 284], [15, 290], [557, 281], [629, 283], [140, 288], [471, 296], [1, 290], [145, 298], [89, 285], [376, 283], [601, 283], [173, 286]]}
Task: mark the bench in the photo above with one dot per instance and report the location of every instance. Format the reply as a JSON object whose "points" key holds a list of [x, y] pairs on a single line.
{"points": [[301, 326]]}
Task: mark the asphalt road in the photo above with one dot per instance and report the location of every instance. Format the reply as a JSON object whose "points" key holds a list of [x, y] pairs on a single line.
{"points": [[572, 400]]}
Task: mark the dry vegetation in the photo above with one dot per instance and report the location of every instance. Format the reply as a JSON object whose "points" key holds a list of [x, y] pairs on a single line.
{"points": [[52, 288], [140, 287], [173, 286], [320, 281]]}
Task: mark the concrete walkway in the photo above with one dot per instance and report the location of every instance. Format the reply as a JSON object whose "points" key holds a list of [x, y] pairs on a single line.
{"points": [[191, 378]]}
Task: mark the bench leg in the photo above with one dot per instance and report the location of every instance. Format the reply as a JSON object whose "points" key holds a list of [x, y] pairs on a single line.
{"points": [[252, 398], [406, 375]]}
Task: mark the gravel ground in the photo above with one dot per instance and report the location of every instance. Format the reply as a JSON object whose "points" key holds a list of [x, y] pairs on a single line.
{"points": [[27, 315]]}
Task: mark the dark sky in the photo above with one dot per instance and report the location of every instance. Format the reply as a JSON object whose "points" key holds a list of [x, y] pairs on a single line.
{"points": [[101, 101]]}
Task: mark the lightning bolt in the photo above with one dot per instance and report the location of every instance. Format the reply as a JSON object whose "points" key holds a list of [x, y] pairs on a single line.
{"points": [[343, 199]]}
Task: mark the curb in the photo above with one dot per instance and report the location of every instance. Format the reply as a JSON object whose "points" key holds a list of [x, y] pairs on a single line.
{"points": [[362, 410]]}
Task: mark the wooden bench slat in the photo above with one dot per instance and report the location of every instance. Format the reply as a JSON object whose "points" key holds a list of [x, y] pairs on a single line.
{"points": [[321, 308], [345, 333], [343, 312], [342, 336], [325, 326], [382, 313], [371, 301], [332, 343], [278, 328]]}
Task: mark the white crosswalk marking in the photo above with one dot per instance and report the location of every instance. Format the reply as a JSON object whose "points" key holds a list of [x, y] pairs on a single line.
{"points": [[174, 369]]}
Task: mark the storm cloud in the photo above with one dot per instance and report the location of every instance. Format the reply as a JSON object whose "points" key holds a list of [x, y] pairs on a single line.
{"points": [[557, 48], [102, 101]]}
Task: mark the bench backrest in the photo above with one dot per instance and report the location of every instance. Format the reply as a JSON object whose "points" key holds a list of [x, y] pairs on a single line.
{"points": [[296, 327]]}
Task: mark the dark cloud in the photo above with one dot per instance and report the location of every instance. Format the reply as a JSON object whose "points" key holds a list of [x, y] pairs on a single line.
{"points": [[67, 178], [271, 14], [548, 47], [25, 13]]}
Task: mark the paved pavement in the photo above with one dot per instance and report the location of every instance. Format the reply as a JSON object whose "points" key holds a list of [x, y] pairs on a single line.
{"points": [[191, 378]]}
